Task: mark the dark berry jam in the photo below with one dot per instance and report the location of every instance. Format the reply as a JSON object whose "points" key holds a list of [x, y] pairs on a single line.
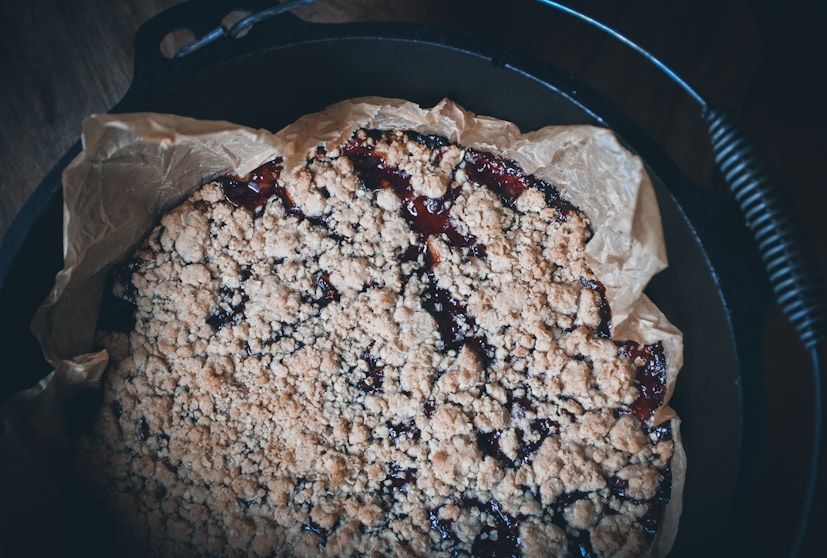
{"points": [[405, 429], [657, 505], [426, 216], [506, 179], [454, 322], [253, 190], [442, 526], [662, 431], [432, 142], [581, 545], [604, 327], [329, 292], [489, 442], [227, 313], [398, 478], [542, 429], [374, 377], [563, 501], [518, 405], [545, 427], [313, 527], [500, 540], [650, 377], [117, 313], [619, 487]]}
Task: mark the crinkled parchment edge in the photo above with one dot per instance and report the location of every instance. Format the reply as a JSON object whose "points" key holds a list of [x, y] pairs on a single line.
{"points": [[135, 167]]}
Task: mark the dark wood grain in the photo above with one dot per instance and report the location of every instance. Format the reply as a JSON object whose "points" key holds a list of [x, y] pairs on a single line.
{"points": [[62, 60]]}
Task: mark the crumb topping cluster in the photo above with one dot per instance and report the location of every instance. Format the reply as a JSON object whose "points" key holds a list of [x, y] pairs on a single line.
{"points": [[398, 350]]}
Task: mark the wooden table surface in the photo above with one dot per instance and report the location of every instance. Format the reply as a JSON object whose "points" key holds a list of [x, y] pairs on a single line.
{"points": [[62, 60]]}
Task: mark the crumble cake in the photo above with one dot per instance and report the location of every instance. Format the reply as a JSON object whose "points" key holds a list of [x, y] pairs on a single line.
{"points": [[398, 350]]}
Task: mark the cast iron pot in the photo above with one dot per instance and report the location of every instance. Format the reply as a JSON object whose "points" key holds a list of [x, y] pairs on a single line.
{"points": [[714, 289]]}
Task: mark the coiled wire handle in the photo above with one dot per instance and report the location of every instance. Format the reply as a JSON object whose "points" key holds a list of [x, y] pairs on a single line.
{"points": [[789, 258], [791, 262]]}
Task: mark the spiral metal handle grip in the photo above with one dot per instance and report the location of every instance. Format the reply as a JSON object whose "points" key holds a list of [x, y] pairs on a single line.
{"points": [[791, 262], [789, 258]]}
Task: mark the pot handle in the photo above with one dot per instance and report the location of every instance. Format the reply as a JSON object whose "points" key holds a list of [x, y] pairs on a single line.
{"points": [[204, 21], [788, 256]]}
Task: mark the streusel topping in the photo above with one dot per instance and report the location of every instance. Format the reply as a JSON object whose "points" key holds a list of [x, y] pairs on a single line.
{"points": [[398, 350]]}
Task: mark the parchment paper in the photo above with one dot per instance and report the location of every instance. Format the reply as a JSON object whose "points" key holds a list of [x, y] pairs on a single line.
{"points": [[135, 167]]}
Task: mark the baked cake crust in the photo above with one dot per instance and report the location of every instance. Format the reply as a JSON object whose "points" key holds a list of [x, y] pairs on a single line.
{"points": [[397, 350]]}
